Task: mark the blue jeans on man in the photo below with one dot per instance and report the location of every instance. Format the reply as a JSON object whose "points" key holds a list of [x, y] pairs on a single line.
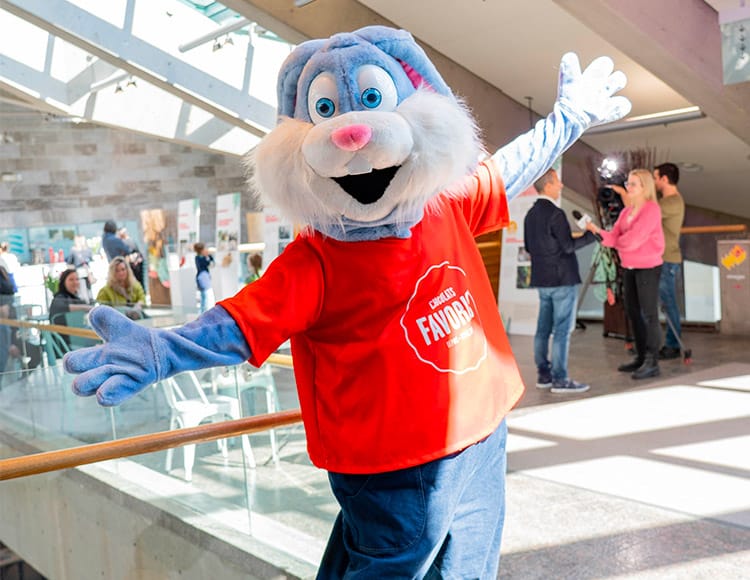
{"points": [[442, 519], [668, 298], [557, 316]]}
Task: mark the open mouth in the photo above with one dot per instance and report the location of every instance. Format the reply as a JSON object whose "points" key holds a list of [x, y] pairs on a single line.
{"points": [[369, 187]]}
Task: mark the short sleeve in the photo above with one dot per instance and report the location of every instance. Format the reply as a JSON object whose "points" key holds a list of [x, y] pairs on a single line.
{"points": [[283, 302], [484, 203]]}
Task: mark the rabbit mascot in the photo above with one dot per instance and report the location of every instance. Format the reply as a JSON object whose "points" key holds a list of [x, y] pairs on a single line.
{"points": [[403, 368]]}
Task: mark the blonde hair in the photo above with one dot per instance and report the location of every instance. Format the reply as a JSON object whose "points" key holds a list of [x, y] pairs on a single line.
{"points": [[112, 281], [647, 181]]}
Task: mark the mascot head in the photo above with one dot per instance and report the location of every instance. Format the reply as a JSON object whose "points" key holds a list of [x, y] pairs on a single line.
{"points": [[368, 134]]}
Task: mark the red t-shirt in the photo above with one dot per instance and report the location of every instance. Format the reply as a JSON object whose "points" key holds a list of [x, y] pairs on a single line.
{"points": [[399, 352]]}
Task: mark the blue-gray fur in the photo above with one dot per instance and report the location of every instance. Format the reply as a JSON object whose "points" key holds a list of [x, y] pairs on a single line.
{"points": [[342, 55], [150, 354]]}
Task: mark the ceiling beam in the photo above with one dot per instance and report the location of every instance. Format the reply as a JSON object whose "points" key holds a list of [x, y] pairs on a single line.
{"points": [[679, 41]]}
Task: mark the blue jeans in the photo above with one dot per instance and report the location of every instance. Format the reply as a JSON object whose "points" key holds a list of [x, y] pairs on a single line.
{"points": [[668, 298], [557, 317], [443, 519], [208, 300]]}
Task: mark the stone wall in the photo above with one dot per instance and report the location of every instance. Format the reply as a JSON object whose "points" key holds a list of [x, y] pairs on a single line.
{"points": [[58, 172], [86, 523]]}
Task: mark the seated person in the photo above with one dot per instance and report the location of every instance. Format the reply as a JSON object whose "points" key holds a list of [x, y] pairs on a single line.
{"points": [[13, 344], [122, 290], [66, 299], [25, 348]]}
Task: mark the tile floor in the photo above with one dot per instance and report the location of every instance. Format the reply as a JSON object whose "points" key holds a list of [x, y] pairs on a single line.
{"points": [[632, 479]]}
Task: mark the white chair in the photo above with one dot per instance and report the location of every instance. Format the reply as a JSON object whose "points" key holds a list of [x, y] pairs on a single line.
{"points": [[191, 411], [246, 380], [261, 379]]}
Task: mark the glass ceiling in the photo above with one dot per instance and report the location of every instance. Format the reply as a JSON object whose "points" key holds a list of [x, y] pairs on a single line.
{"points": [[213, 10], [190, 71]]}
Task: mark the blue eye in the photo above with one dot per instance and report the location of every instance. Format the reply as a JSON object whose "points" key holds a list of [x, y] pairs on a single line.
{"points": [[325, 107], [371, 98]]}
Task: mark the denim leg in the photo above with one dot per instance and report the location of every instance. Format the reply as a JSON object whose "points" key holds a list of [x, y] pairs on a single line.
{"points": [[564, 300], [204, 301], [543, 331], [442, 519], [668, 298], [461, 556]]}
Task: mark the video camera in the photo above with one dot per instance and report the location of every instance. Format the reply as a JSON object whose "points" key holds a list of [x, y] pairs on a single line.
{"points": [[610, 202]]}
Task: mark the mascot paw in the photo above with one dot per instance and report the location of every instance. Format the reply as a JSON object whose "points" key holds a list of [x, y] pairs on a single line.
{"points": [[590, 94], [124, 365]]}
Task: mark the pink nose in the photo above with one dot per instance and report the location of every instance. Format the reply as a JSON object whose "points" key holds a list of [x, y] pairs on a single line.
{"points": [[352, 137]]}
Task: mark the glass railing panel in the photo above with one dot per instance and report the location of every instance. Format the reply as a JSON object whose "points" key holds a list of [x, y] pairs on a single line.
{"points": [[282, 500]]}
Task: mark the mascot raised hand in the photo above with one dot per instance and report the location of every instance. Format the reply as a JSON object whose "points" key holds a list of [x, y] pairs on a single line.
{"points": [[403, 368]]}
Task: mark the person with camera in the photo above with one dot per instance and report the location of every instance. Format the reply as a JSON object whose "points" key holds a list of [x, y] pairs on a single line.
{"points": [[554, 273], [639, 240]]}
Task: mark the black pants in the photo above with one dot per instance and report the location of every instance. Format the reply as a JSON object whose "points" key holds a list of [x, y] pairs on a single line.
{"points": [[641, 287]]}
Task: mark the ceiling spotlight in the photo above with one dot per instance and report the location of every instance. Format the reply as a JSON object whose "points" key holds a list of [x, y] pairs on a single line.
{"points": [[118, 88], [131, 83], [228, 40], [217, 45], [608, 168]]}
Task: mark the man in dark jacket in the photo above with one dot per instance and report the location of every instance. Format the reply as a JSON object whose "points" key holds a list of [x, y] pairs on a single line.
{"points": [[554, 273]]}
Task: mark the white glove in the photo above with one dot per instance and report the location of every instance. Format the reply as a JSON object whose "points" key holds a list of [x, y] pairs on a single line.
{"points": [[588, 94]]}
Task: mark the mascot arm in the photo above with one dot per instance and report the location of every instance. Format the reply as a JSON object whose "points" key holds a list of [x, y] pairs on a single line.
{"points": [[584, 99], [133, 357]]}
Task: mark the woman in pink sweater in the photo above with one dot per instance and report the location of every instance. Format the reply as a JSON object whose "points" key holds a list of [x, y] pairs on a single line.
{"points": [[639, 240]]}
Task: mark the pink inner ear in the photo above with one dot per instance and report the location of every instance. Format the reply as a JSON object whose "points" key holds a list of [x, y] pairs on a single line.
{"points": [[417, 80]]}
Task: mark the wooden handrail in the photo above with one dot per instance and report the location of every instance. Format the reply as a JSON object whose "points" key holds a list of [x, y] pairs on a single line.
{"points": [[282, 360], [714, 229], [85, 454], [729, 229], [58, 328]]}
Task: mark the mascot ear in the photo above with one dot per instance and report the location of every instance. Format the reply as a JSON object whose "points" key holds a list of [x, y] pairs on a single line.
{"points": [[401, 45], [286, 88]]}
